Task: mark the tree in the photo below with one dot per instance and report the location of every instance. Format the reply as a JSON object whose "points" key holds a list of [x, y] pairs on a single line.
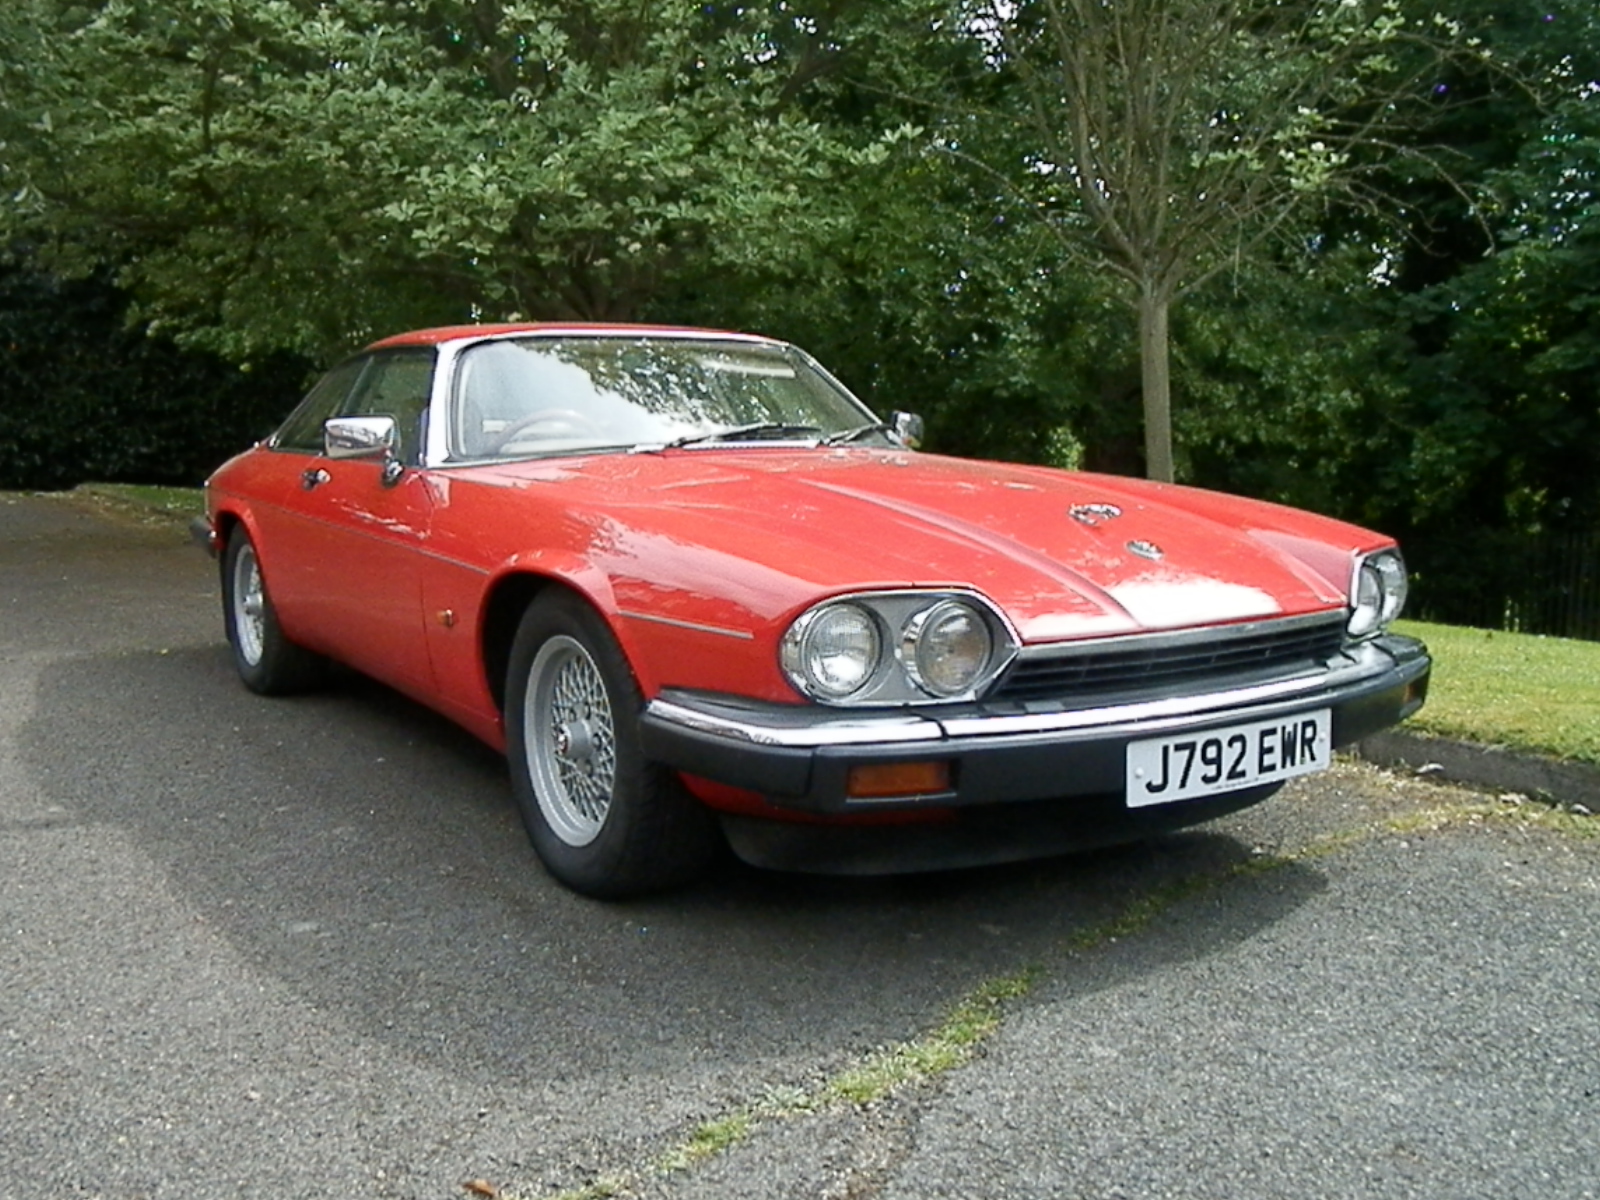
{"points": [[298, 174], [1170, 139], [916, 291]]}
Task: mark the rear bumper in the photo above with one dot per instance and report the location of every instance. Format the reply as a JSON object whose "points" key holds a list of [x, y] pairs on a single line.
{"points": [[800, 757]]}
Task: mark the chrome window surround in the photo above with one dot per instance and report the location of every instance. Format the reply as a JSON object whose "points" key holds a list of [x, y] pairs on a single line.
{"points": [[437, 453]]}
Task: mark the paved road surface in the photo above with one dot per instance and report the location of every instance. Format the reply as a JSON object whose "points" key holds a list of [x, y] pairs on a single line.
{"points": [[285, 949]]}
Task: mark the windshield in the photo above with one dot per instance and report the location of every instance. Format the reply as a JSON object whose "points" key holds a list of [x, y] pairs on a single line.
{"points": [[521, 397]]}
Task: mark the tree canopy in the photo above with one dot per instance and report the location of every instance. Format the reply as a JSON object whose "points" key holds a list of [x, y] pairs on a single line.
{"points": [[291, 174], [1380, 216]]}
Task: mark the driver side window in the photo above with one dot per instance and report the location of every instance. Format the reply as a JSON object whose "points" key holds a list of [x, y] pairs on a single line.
{"points": [[302, 432], [398, 384]]}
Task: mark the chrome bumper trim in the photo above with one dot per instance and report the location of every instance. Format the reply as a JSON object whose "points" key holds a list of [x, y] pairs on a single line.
{"points": [[858, 731], [806, 728]]}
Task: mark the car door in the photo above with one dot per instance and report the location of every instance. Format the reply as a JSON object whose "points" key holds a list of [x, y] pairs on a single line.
{"points": [[349, 551]]}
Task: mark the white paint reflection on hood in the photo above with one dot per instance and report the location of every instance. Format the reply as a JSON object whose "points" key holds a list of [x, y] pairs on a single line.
{"points": [[1162, 602]]}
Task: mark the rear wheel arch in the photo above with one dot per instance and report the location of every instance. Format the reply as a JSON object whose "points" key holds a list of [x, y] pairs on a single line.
{"points": [[267, 661]]}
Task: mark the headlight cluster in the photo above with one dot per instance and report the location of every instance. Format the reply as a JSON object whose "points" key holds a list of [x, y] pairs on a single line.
{"points": [[1377, 593], [896, 648]]}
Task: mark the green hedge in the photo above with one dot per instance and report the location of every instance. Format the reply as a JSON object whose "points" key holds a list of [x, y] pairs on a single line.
{"points": [[84, 396]]}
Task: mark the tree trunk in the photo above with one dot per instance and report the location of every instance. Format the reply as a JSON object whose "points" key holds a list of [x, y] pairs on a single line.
{"points": [[1156, 379]]}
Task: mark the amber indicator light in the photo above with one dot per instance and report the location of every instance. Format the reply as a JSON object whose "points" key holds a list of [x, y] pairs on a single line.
{"points": [[883, 781]]}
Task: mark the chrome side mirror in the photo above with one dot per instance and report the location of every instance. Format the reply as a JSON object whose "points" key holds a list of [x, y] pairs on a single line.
{"points": [[358, 437], [906, 428], [364, 437]]}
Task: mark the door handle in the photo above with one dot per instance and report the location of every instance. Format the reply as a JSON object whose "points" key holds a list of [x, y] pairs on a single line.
{"points": [[313, 477]]}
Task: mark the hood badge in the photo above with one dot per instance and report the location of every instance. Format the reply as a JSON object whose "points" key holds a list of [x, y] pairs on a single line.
{"points": [[1146, 550], [1092, 514]]}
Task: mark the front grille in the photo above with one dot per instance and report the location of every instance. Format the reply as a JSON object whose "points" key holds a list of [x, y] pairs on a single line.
{"points": [[1174, 665]]}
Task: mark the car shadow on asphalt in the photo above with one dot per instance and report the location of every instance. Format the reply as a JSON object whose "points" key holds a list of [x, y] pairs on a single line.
{"points": [[366, 854]]}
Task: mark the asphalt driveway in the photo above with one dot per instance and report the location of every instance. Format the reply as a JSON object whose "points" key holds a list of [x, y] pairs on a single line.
{"points": [[255, 948]]}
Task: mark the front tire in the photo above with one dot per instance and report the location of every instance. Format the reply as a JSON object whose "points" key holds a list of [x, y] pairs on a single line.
{"points": [[268, 663], [604, 821]]}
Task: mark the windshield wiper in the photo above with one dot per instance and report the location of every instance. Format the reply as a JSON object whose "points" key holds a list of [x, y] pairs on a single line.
{"points": [[759, 431], [854, 435]]}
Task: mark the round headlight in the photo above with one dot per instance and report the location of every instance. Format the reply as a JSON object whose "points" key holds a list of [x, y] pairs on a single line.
{"points": [[1379, 593], [832, 652], [947, 648]]}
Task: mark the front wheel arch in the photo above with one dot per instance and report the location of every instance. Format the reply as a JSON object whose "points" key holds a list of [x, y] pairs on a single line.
{"points": [[503, 610], [509, 597], [605, 821]]}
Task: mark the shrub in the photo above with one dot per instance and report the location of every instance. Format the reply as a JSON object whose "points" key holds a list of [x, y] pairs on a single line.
{"points": [[84, 395]]}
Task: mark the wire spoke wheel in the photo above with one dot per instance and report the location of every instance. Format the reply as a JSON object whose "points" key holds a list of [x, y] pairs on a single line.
{"points": [[267, 661], [571, 740], [249, 606], [604, 820]]}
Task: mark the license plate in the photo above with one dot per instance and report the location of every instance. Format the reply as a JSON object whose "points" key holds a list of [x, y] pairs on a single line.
{"points": [[1187, 765]]}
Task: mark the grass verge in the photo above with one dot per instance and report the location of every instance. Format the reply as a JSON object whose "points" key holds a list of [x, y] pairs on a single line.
{"points": [[1518, 690], [143, 503]]}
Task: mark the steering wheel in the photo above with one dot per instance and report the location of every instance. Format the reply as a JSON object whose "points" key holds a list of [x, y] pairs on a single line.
{"points": [[561, 420]]}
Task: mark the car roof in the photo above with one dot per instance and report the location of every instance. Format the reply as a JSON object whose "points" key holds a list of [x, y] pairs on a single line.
{"points": [[451, 333]]}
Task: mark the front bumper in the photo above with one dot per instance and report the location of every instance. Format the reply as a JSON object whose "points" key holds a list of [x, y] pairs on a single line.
{"points": [[203, 534], [800, 757]]}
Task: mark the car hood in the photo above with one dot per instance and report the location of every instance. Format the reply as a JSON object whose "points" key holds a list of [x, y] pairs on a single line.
{"points": [[1062, 554]]}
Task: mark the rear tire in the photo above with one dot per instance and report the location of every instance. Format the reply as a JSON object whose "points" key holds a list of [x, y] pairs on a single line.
{"points": [[268, 663], [604, 821]]}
